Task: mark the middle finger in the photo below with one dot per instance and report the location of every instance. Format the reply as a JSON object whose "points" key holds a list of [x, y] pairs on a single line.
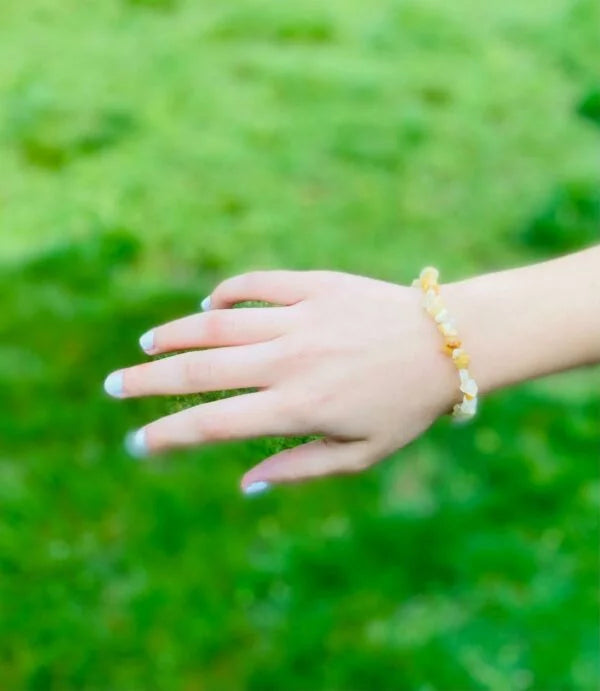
{"points": [[213, 369]]}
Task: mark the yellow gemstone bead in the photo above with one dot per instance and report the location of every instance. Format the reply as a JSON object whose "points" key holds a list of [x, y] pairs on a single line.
{"points": [[434, 309], [429, 271], [469, 388], [434, 306], [429, 277], [446, 328], [451, 343], [461, 359]]}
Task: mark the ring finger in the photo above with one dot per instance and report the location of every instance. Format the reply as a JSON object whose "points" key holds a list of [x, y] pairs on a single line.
{"points": [[241, 416]]}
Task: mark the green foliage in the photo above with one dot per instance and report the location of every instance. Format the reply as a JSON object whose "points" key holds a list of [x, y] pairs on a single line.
{"points": [[154, 4], [50, 136], [146, 155], [589, 106], [85, 266], [569, 220], [278, 22]]}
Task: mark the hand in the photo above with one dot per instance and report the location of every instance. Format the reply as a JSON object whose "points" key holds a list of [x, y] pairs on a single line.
{"points": [[349, 357]]}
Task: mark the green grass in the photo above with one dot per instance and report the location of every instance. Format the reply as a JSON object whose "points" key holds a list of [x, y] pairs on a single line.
{"points": [[150, 148]]}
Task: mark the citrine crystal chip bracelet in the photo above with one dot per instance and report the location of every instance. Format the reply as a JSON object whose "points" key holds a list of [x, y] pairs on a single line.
{"points": [[434, 306]]}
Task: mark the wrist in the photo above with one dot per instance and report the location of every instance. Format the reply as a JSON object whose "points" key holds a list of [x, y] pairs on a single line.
{"points": [[529, 321], [471, 302]]}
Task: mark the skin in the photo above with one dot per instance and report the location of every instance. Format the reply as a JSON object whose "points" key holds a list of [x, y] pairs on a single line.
{"points": [[356, 359]]}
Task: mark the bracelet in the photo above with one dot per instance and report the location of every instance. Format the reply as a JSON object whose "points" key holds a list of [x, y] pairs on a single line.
{"points": [[434, 306]]}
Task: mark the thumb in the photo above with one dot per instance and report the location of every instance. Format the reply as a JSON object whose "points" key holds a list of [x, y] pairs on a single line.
{"points": [[319, 457]]}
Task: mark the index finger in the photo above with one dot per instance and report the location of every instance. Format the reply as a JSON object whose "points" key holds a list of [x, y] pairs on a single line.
{"points": [[281, 286]]}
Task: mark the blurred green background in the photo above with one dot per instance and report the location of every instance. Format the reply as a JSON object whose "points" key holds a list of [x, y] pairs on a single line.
{"points": [[151, 148]]}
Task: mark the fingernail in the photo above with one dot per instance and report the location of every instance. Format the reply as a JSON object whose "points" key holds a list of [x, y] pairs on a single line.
{"points": [[113, 384], [256, 487], [147, 341], [205, 304], [135, 443]]}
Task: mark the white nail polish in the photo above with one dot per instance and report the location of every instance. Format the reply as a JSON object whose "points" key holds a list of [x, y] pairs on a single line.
{"points": [[135, 443], [147, 341], [256, 487], [113, 384], [205, 304]]}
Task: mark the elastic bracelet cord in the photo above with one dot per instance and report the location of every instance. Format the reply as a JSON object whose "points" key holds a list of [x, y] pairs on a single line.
{"points": [[434, 306]]}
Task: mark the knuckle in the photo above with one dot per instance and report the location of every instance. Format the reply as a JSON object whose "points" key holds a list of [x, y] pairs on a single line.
{"points": [[190, 370], [212, 326], [281, 351], [296, 408], [290, 350], [237, 285], [294, 352], [318, 402], [215, 428], [308, 409], [301, 413]]}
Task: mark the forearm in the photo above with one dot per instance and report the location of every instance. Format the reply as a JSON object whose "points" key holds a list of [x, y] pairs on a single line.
{"points": [[531, 321]]}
